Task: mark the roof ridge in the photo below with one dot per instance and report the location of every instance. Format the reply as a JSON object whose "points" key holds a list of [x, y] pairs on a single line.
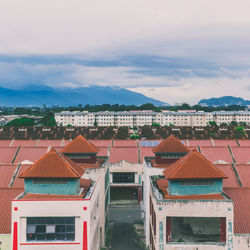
{"points": [[34, 164], [68, 164], [173, 142], [178, 165]]}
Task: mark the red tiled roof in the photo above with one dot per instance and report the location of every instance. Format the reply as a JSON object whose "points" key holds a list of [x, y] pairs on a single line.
{"points": [[199, 142], [244, 173], [27, 143], [219, 142], [7, 154], [53, 165], [171, 145], [215, 154], [227, 169], [155, 165], [125, 143], [30, 153], [162, 185], [101, 143], [241, 198], [241, 154], [5, 143], [98, 163], [244, 142], [129, 154], [80, 145], [193, 166], [6, 196], [146, 152], [6, 174], [103, 151], [19, 182], [50, 196], [52, 143]]}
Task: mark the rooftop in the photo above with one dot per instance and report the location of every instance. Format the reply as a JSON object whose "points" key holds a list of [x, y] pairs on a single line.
{"points": [[171, 145], [193, 166], [80, 146], [53, 165], [6, 196], [241, 198]]}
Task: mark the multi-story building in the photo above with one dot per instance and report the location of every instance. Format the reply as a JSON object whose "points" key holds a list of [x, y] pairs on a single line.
{"points": [[184, 203], [64, 205], [126, 180], [84, 153], [142, 118]]}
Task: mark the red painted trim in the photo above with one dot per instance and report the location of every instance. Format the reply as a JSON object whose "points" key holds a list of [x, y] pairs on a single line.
{"points": [[54, 200], [15, 241], [51, 243], [85, 236]]}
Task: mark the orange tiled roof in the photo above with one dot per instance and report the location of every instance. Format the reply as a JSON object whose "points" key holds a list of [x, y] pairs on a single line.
{"points": [[98, 163], [80, 146], [155, 165], [6, 196], [53, 165], [50, 196], [171, 145], [162, 185], [193, 166], [194, 197]]}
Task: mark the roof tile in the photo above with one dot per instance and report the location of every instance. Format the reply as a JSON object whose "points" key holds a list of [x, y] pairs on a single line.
{"points": [[53, 165], [80, 146], [171, 145], [193, 166]]}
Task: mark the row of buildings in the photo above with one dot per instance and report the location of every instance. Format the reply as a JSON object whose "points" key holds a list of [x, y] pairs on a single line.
{"points": [[142, 118], [185, 204]]}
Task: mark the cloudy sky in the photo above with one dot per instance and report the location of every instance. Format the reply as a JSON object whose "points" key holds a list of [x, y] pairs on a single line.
{"points": [[174, 51]]}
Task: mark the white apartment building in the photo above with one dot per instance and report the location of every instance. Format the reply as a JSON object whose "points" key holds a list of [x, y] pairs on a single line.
{"points": [[147, 117]]}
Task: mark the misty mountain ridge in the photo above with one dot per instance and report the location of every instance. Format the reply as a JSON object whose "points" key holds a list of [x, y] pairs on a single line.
{"points": [[224, 101], [37, 95]]}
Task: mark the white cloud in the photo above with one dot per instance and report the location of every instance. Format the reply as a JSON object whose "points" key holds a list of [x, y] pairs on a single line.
{"points": [[191, 90], [92, 27]]}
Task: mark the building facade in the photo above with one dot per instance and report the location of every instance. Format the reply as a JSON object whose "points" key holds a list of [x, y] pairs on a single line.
{"points": [[142, 118], [65, 201]]}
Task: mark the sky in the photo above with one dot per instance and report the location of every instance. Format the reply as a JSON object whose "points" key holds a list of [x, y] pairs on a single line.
{"points": [[174, 51]]}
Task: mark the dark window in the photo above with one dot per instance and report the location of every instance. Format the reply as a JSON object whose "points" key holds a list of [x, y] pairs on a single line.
{"points": [[123, 177], [50, 228], [49, 181], [195, 229], [197, 182]]}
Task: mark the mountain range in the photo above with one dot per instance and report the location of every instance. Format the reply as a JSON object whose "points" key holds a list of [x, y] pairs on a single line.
{"points": [[224, 101], [93, 95]]}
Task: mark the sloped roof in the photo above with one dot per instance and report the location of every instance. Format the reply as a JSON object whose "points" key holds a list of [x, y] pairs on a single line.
{"points": [[53, 165], [171, 145], [98, 164], [6, 196], [193, 166], [241, 198], [80, 146]]}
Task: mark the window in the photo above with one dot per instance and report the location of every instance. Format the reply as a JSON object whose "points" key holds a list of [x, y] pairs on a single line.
{"points": [[123, 177], [50, 229], [49, 181], [196, 182], [196, 229]]}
